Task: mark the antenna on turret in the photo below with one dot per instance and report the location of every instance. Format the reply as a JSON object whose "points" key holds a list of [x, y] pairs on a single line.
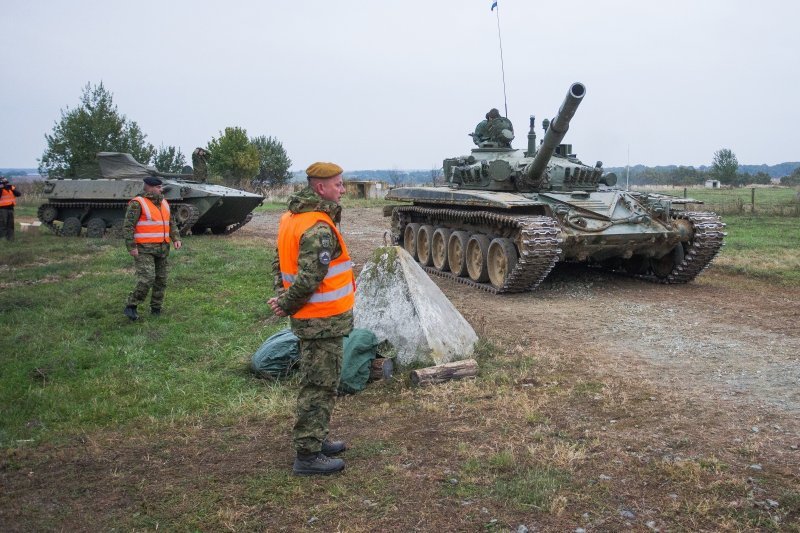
{"points": [[502, 65], [628, 170]]}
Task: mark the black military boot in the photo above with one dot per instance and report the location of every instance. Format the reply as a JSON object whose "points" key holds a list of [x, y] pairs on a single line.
{"points": [[130, 312], [155, 311], [316, 464], [333, 447]]}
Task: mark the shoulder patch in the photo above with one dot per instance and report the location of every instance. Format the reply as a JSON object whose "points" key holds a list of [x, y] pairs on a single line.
{"points": [[325, 240], [325, 257]]}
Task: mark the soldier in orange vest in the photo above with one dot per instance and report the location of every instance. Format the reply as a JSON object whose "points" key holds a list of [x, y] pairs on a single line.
{"points": [[148, 230], [316, 288], [8, 199]]}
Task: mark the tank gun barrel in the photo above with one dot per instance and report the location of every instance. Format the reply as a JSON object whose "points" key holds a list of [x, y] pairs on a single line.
{"points": [[555, 133]]}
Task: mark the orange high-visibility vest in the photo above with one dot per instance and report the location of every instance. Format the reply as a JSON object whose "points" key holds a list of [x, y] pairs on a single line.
{"points": [[7, 198], [153, 225], [336, 294]]}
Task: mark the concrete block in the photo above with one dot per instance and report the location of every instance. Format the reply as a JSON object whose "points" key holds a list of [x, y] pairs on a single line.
{"points": [[396, 300]]}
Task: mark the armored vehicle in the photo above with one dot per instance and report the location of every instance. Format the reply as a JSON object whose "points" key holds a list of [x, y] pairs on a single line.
{"points": [[99, 204], [508, 216]]}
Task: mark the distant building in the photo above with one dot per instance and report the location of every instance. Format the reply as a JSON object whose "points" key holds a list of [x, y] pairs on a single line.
{"points": [[365, 189], [712, 184]]}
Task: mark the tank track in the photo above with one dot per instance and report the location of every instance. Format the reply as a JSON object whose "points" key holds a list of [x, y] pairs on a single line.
{"points": [[194, 214], [55, 229], [705, 245], [538, 243], [184, 229], [233, 227]]}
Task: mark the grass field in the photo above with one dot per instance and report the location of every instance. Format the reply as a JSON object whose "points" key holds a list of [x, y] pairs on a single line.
{"points": [[782, 201]]}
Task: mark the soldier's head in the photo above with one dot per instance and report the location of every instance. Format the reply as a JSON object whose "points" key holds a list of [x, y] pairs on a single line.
{"points": [[325, 179], [152, 184], [492, 114]]}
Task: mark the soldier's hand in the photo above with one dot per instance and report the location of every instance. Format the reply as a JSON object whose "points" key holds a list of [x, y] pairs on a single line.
{"points": [[134, 252], [178, 245], [273, 303]]}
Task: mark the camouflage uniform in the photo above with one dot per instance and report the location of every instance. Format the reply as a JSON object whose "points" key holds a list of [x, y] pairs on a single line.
{"points": [[492, 131], [321, 339], [199, 164], [151, 263]]}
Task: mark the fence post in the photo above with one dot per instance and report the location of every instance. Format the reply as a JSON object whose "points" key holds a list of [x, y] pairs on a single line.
{"points": [[753, 200], [684, 193]]}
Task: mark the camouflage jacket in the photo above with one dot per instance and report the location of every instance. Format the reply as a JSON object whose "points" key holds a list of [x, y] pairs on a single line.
{"points": [[132, 217], [310, 271]]}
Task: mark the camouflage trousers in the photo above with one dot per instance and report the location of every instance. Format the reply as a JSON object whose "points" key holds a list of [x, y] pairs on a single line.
{"points": [[7, 224], [151, 272], [320, 369]]}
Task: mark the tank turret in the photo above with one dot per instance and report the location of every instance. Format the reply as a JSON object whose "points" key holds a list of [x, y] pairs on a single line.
{"points": [[508, 216]]}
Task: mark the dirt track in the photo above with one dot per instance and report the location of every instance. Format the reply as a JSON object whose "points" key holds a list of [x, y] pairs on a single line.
{"points": [[719, 338]]}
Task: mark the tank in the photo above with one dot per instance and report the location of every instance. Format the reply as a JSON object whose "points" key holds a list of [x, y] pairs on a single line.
{"points": [[98, 205], [508, 216]]}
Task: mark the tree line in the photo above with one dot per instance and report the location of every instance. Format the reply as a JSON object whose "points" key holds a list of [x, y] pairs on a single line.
{"points": [[96, 125], [724, 167]]}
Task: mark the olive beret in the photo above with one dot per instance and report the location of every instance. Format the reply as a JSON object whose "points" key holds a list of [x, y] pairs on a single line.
{"points": [[152, 181], [323, 171]]}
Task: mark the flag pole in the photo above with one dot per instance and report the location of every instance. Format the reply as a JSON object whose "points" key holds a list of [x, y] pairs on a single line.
{"points": [[496, 5]]}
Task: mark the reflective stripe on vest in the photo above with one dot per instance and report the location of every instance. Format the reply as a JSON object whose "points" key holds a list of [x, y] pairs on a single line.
{"points": [[7, 198], [336, 293], [153, 224]]}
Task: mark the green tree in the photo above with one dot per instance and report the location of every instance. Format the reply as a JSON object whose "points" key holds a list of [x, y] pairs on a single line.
{"points": [[792, 179], [273, 168], [724, 166], [169, 159], [94, 126], [232, 156]]}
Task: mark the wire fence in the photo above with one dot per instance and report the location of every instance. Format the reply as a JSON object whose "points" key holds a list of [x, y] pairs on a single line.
{"points": [[772, 201]]}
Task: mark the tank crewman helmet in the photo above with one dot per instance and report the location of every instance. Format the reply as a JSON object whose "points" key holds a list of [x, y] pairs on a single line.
{"points": [[153, 182], [323, 171], [492, 114]]}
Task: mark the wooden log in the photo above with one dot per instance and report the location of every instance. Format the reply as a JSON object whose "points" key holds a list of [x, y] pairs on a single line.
{"points": [[381, 368], [440, 373]]}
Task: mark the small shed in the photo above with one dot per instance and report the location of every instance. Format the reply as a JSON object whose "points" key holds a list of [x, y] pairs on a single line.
{"points": [[712, 184], [365, 189]]}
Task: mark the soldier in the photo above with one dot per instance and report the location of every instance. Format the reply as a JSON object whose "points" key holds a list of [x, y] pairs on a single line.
{"points": [[315, 286], [147, 231], [8, 199], [200, 164], [494, 129]]}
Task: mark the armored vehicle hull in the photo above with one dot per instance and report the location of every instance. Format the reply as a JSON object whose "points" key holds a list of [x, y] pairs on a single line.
{"points": [[508, 217], [98, 205]]}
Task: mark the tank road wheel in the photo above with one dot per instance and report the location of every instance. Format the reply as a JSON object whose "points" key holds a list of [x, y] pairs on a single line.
{"points": [[457, 252], [182, 214], [71, 227], [47, 213], [95, 228], [502, 258], [477, 260], [116, 228], [439, 248], [664, 266], [410, 239], [424, 239]]}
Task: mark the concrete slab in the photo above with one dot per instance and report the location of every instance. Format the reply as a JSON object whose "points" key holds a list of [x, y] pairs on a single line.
{"points": [[396, 300]]}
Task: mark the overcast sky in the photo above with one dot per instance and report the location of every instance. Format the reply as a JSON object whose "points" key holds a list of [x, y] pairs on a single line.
{"points": [[398, 84]]}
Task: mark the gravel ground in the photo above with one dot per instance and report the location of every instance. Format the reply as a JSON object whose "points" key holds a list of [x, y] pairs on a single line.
{"points": [[720, 337]]}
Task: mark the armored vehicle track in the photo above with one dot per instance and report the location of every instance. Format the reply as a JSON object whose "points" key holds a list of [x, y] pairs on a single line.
{"points": [[477, 248]]}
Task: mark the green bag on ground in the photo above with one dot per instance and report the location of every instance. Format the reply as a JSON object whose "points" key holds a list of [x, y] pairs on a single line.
{"points": [[280, 356]]}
